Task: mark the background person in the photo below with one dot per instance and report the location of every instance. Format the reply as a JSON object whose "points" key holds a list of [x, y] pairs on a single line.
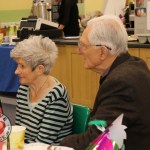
{"points": [[42, 101], [89, 16], [124, 84], [69, 17]]}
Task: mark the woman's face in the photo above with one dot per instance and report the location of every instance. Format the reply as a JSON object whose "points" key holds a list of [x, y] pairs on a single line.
{"points": [[26, 75]]}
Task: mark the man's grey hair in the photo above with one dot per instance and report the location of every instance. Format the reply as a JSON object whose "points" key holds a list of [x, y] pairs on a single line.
{"points": [[36, 50], [108, 30]]}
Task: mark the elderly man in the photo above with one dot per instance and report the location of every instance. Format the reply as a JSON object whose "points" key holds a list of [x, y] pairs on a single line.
{"points": [[124, 84]]}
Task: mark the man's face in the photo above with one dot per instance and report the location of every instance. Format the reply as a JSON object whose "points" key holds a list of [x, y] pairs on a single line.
{"points": [[91, 54]]}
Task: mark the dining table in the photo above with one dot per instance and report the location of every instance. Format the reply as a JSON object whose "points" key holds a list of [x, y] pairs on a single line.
{"points": [[9, 82]]}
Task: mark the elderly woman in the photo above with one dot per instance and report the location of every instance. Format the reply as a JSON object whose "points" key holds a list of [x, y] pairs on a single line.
{"points": [[42, 101]]}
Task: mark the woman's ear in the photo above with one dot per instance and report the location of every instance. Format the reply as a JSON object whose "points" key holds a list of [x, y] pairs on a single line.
{"points": [[40, 69], [104, 52]]}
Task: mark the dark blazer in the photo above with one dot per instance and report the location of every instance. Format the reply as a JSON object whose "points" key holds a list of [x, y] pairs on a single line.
{"points": [[69, 16], [125, 89]]}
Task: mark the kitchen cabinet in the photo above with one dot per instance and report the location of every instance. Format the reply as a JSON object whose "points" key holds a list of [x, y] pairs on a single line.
{"points": [[145, 54], [134, 51], [82, 84]]}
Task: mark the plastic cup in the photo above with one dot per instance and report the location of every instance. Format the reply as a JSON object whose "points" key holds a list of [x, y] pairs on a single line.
{"points": [[1, 37], [17, 137], [11, 39], [6, 39]]}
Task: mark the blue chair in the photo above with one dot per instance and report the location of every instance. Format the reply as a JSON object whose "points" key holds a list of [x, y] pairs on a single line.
{"points": [[81, 115]]}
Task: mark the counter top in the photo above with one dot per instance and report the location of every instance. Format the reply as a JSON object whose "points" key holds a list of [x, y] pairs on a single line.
{"points": [[63, 41], [138, 45], [66, 41], [75, 41]]}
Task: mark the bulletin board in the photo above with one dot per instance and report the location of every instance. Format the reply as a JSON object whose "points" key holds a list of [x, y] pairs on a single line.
{"points": [[14, 10]]}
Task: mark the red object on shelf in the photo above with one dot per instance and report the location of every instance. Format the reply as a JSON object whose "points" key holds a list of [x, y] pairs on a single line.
{"points": [[3, 30]]}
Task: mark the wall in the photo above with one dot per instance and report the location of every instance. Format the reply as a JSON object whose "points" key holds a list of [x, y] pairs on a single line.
{"points": [[91, 5], [81, 9], [14, 10]]}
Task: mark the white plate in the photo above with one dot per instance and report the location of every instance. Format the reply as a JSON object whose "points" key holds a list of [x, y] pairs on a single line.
{"points": [[42, 146], [32, 146], [36, 146], [61, 148]]}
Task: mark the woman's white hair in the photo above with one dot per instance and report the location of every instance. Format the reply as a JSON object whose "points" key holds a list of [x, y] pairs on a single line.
{"points": [[108, 30], [36, 50]]}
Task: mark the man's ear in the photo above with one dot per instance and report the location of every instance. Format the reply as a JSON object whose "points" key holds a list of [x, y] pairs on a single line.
{"points": [[104, 52]]}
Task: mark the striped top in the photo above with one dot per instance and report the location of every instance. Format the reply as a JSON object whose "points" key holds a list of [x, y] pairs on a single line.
{"points": [[48, 121]]}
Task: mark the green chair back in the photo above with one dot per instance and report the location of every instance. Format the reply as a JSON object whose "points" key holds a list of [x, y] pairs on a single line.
{"points": [[81, 115]]}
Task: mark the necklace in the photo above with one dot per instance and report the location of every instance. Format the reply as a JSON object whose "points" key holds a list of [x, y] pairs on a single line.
{"points": [[41, 87]]}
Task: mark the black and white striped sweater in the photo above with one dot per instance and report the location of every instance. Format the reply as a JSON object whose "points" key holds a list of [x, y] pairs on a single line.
{"points": [[50, 120]]}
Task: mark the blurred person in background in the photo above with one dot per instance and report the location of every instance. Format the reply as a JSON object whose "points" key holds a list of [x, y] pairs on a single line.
{"points": [[68, 19], [43, 105], [124, 84], [89, 16]]}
